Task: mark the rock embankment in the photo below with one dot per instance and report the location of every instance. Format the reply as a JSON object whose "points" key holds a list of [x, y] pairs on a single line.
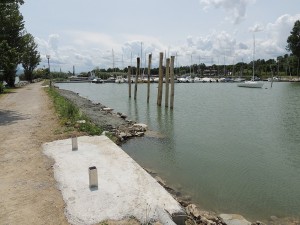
{"points": [[116, 123]]}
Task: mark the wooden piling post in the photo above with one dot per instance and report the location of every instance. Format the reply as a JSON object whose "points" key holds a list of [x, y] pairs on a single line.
{"points": [[129, 80], [149, 69], [172, 82], [167, 82], [136, 76], [160, 82]]}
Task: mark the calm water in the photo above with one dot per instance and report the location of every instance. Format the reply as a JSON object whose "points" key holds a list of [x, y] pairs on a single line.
{"points": [[233, 150]]}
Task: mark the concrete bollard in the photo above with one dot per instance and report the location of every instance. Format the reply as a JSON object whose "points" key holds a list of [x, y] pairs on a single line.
{"points": [[93, 177], [74, 144]]}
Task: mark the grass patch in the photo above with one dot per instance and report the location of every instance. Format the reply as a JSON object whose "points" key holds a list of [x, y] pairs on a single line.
{"points": [[70, 115], [7, 90]]}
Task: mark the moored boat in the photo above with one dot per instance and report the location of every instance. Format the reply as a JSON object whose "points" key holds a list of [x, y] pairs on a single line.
{"points": [[251, 84], [97, 80], [119, 80]]}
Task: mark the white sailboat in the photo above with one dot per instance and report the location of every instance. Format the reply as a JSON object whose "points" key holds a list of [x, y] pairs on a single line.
{"points": [[252, 83]]}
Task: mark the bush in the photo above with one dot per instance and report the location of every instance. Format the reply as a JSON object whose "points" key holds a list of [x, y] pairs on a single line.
{"points": [[1, 87]]}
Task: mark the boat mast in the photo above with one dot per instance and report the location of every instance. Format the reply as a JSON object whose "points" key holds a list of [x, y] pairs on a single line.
{"points": [[191, 65], [141, 58], [113, 58], [253, 56]]}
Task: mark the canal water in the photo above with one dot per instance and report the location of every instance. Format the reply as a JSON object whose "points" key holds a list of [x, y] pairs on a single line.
{"points": [[233, 150]]}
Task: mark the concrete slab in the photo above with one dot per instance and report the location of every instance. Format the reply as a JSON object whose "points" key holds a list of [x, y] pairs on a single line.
{"points": [[125, 189]]}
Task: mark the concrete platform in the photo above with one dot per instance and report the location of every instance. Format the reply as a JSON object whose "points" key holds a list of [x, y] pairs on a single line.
{"points": [[124, 190]]}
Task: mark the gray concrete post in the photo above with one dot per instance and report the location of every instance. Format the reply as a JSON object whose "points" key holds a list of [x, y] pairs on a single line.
{"points": [[74, 144], [93, 177]]}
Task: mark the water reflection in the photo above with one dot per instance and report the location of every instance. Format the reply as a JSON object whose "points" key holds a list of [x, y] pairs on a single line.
{"points": [[148, 117], [166, 126], [133, 109], [290, 123]]}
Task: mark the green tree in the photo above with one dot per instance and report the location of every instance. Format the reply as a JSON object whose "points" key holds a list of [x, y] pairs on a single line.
{"points": [[11, 38], [31, 57], [9, 60], [293, 42]]}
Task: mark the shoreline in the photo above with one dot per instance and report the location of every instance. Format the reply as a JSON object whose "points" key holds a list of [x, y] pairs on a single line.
{"points": [[115, 123], [124, 129]]}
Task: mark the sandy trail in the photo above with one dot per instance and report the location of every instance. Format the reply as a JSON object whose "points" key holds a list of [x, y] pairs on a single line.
{"points": [[28, 193]]}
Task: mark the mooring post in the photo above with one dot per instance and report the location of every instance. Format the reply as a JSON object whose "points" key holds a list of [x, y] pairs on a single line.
{"points": [[93, 177], [149, 69], [137, 76], [172, 82], [160, 81], [129, 81], [167, 82], [74, 144]]}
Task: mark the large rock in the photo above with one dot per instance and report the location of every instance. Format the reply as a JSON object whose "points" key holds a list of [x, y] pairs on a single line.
{"points": [[140, 126], [234, 219], [203, 217], [194, 211]]}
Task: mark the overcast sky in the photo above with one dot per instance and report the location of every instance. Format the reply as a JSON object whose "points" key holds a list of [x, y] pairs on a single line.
{"points": [[88, 33]]}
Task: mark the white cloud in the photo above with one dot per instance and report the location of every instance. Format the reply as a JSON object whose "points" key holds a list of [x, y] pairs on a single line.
{"points": [[63, 57], [190, 41], [92, 39], [242, 46], [236, 9], [277, 34], [222, 44], [139, 44], [88, 50], [256, 28], [53, 41], [208, 48]]}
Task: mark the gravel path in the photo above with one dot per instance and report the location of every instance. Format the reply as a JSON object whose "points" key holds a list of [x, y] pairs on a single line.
{"points": [[28, 193]]}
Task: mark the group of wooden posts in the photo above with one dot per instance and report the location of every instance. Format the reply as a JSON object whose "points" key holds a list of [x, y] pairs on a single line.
{"points": [[168, 75]]}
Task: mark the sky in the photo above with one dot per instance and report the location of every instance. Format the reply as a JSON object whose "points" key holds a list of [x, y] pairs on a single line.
{"points": [[113, 33]]}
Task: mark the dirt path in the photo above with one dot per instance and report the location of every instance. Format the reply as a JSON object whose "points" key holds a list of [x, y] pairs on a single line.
{"points": [[28, 193]]}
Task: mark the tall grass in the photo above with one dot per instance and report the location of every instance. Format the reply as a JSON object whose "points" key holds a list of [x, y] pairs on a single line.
{"points": [[70, 115]]}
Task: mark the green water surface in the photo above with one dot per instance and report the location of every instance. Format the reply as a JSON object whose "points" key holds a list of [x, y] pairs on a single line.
{"points": [[233, 150]]}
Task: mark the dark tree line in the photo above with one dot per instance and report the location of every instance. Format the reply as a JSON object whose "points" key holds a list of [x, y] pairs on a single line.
{"points": [[283, 66]]}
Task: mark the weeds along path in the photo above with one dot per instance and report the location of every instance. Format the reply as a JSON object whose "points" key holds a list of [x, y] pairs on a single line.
{"points": [[28, 193]]}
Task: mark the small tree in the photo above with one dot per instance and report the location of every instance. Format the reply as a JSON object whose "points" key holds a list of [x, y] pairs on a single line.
{"points": [[31, 57], [293, 42], [11, 41], [9, 58]]}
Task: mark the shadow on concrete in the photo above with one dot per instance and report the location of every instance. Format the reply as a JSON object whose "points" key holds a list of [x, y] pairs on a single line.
{"points": [[8, 117], [94, 188]]}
